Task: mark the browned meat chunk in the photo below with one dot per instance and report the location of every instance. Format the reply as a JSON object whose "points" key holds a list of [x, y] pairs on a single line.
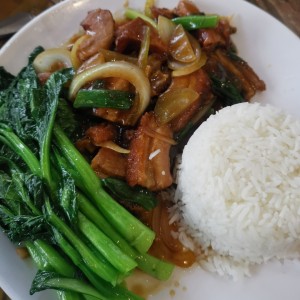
{"points": [[119, 84], [242, 72], [84, 145], [211, 38], [109, 163], [148, 161], [99, 25], [95, 135], [110, 114], [101, 133], [157, 11], [159, 78], [198, 81], [131, 34], [185, 8]]}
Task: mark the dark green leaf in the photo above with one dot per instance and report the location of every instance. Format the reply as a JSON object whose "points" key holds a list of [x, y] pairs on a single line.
{"points": [[227, 92], [35, 53], [67, 119], [5, 215], [138, 195], [27, 228], [45, 101], [50, 280], [5, 79], [68, 200]]}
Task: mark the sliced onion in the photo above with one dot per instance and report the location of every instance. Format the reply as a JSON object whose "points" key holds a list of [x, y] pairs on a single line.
{"points": [[121, 69], [113, 146], [180, 46], [148, 5], [165, 28], [76, 62], [156, 135], [52, 59], [173, 102], [115, 56], [144, 50], [181, 69], [190, 68]]}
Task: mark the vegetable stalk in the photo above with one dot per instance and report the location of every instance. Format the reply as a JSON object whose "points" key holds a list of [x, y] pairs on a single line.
{"points": [[109, 249], [133, 230], [149, 264], [101, 267]]}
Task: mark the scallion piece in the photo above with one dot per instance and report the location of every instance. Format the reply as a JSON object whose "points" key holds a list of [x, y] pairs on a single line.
{"points": [[226, 91], [197, 21], [103, 98]]}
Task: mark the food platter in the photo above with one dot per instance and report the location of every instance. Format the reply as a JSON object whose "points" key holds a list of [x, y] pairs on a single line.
{"points": [[269, 47]]}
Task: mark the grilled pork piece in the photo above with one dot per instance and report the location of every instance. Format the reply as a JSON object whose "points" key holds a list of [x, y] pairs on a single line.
{"points": [[131, 34], [100, 26], [212, 38], [148, 161], [109, 163], [185, 8], [198, 81]]}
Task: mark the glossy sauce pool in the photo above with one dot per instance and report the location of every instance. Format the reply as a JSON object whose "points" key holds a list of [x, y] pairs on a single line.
{"points": [[147, 286]]}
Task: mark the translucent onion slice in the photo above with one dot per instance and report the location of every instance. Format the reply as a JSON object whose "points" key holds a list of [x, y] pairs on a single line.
{"points": [[156, 135], [121, 69], [180, 46], [113, 146], [52, 59], [144, 50], [173, 102], [165, 28], [148, 5], [76, 62], [190, 68], [181, 69], [114, 56], [133, 14]]}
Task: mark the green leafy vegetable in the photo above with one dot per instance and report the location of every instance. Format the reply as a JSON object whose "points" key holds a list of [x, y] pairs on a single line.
{"points": [[47, 190], [51, 280], [139, 235], [138, 195], [105, 288], [5, 79], [149, 264], [228, 93]]}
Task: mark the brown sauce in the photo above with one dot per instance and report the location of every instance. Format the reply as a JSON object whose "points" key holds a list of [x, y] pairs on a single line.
{"points": [[165, 245], [146, 286]]}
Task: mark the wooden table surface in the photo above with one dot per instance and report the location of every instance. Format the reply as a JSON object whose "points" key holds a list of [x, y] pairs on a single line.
{"points": [[286, 11]]}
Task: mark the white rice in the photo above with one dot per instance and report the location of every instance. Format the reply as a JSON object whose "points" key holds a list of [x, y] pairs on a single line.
{"points": [[239, 188]]}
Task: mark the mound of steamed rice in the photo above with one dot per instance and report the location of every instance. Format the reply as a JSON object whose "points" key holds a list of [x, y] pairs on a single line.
{"points": [[239, 186]]}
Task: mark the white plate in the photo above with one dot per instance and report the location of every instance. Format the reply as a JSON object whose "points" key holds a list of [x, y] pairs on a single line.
{"points": [[269, 47]]}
